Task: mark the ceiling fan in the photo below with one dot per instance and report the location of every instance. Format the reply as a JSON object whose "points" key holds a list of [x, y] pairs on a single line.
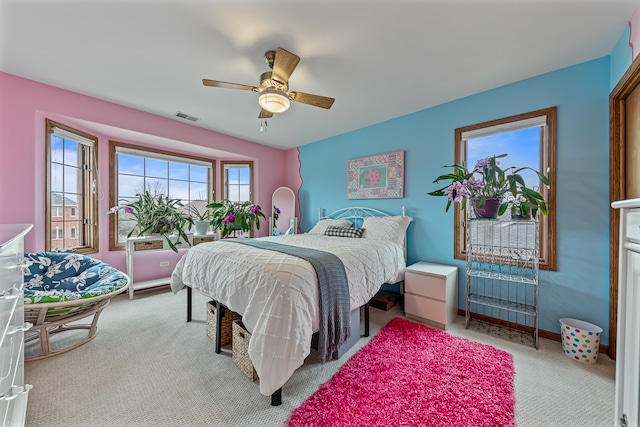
{"points": [[274, 91]]}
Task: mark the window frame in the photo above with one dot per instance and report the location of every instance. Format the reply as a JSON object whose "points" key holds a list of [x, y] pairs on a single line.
{"points": [[57, 233], [88, 189], [548, 258], [223, 176], [114, 245]]}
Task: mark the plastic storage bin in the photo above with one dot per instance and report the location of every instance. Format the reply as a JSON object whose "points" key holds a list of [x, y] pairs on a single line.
{"points": [[580, 340]]}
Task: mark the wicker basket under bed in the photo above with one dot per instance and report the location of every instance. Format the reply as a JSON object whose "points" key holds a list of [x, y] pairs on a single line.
{"points": [[240, 354], [225, 330]]}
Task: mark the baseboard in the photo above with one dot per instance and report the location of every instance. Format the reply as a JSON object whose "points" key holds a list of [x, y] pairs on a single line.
{"points": [[554, 336]]}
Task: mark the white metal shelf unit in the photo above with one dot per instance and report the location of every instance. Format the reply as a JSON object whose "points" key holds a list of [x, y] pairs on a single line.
{"points": [[502, 273]]}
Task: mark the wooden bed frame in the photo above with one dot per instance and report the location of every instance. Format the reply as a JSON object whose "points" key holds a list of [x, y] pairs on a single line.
{"points": [[354, 214]]}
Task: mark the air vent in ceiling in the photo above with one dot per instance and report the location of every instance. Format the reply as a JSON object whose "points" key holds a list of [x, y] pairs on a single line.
{"points": [[186, 116]]}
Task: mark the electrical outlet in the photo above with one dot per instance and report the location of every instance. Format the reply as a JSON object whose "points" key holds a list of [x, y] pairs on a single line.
{"points": [[164, 263]]}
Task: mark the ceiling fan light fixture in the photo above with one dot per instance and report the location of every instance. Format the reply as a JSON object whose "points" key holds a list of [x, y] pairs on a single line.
{"points": [[274, 101]]}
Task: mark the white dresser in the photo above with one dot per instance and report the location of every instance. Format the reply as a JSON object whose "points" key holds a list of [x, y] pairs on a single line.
{"points": [[431, 293], [13, 390], [627, 401]]}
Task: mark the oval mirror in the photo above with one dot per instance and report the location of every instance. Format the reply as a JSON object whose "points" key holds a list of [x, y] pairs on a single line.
{"points": [[283, 212]]}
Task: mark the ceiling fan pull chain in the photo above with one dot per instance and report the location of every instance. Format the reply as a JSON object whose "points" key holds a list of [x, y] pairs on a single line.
{"points": [[263, 126]]}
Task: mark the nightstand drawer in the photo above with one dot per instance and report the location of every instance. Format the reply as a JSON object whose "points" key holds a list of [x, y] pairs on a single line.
{"points": [[203, 239], [427, 286], [425, 308]]}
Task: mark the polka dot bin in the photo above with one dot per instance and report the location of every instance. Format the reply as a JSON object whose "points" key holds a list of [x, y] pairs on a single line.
{"points": [[580, 340]]}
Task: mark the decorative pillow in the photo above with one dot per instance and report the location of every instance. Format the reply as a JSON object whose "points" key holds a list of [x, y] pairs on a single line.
{"points": [[333, 230], [392, 228], [322, 225]]}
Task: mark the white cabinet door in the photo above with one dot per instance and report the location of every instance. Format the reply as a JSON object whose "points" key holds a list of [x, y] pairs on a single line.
{"points": [[628, 350], [627, 399]]}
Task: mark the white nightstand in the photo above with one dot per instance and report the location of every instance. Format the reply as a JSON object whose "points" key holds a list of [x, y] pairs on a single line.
{"points": [[431, 293]]}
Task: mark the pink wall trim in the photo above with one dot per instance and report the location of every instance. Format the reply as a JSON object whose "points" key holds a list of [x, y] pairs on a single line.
{"points": [[24, 106], [634, 34]]}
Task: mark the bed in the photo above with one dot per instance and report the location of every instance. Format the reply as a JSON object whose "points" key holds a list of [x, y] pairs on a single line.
{"points": [[277, 294]]}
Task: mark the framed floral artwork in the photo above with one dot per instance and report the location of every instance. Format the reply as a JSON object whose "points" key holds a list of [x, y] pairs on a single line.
{"points": [[376, 177]]}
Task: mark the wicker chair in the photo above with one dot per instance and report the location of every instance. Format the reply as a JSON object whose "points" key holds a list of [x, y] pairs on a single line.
{"points": [[63, 288]]}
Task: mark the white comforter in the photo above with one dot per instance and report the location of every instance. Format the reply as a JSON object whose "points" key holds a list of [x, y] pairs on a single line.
{"points": [[277, 294]]}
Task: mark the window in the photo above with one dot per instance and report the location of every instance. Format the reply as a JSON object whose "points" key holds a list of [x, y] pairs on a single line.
{"points": [[57, 234], [529, 140], [73, 232], [136, 170], [71, 189], [237, 178]]}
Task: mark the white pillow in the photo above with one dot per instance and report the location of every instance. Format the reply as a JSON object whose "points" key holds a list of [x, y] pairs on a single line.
{"points": [[392, 228], [322, 225]]}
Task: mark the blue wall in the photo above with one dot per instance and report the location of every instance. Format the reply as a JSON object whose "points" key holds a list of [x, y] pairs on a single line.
{"points": [[620, 58], [580, 287]]}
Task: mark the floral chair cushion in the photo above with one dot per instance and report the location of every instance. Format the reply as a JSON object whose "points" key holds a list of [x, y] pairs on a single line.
{"points": [[56, 277]]}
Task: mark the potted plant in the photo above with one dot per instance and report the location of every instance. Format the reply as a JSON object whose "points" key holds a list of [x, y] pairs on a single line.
{"points": [[229, 216], [156, 214], [486, 186], [276, 215], [526, 204], [199, 218]]}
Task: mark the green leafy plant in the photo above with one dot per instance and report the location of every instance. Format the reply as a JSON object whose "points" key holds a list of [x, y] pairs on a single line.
{"points": [[276, 215], [198, 215], [230, 216], [156, 214], [488, 180], [199, 218]]}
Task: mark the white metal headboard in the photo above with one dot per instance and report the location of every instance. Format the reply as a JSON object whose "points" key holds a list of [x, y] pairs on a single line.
{"points": [[357, 214]]}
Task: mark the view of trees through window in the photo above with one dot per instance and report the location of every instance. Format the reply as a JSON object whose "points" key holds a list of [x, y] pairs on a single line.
{"points": [[237, 181], [186, 180]]}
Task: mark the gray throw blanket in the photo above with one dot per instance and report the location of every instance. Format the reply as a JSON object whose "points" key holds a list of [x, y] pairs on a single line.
{"points": [[333, 289]]}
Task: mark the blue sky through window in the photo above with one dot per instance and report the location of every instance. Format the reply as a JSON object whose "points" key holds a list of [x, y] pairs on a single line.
{"points": [[176, 179], [522, 147]]}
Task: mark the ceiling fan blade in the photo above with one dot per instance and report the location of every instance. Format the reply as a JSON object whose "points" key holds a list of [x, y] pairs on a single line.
{"points": [[283, 65], [264, 114], [315, 100], [216, 83]]}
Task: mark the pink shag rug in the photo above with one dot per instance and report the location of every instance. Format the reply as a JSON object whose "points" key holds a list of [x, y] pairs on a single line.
{"points": [[413, 375]]}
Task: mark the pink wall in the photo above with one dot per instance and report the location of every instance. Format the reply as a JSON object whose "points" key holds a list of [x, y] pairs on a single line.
{"points": [[24, 105]]}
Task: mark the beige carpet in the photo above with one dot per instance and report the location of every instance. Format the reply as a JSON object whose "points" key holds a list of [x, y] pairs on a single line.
{"points": [[148, 367]]}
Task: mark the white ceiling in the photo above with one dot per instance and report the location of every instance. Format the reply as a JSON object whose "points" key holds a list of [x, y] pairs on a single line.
{"points": [[379, 59]]}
